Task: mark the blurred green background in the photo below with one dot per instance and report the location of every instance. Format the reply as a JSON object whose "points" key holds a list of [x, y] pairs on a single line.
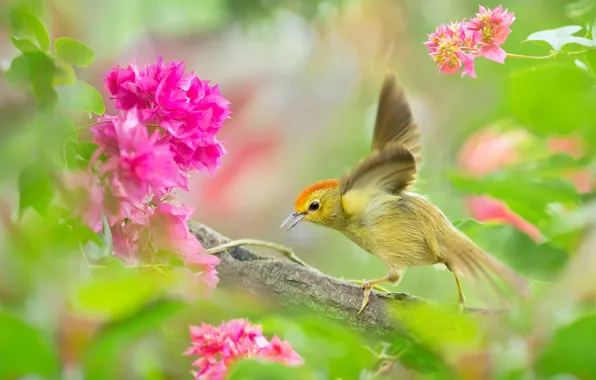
{"points": [[303, 78]]}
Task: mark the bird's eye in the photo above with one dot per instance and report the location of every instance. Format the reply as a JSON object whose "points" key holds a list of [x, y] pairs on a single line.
{"points": [[314, 206]]}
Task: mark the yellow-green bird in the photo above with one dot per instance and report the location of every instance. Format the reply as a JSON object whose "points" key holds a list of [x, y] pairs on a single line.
{"points": [[372, 206]]}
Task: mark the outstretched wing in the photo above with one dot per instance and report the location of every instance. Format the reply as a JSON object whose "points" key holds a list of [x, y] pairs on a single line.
{"points": [[390, 169], [395, 122]]}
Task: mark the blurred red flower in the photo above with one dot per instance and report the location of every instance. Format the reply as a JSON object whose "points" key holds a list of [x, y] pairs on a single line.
{"points": [[489, 150]]}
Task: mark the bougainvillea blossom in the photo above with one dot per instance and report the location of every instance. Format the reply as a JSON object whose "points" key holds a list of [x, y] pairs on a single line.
{"points": [[458, 44], [166, 129], [188, 111], [452, 46], [219, 346], [492, 28]]}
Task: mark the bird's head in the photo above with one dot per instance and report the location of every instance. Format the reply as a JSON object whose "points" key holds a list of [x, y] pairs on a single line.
{"points": [[319, 203]]}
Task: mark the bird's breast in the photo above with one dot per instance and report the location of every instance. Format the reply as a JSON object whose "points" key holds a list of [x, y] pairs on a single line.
{"points": [[391, 231]]}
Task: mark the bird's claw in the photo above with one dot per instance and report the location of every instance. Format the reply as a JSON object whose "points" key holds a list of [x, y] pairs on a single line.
{"points": [[367, 286]]}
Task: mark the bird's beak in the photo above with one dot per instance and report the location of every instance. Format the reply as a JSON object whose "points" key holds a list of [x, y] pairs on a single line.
{"points": [[294, 218]]}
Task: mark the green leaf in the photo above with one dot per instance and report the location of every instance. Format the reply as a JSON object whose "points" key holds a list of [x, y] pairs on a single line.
{"points": [[590, 58], [113, 296], [323, 344], [557, 38], [572, 351], [78, 154], [24, 45], [419, 358], [24, 24], [265, 370], [102, 358], [580, 9], [35, 189], [64, 75], [81, 97], [38, 69], [70, 235], [526, 192], [19, 70], [24, 351], [73, 51], [41, 73], [438, 328], [86, 150], [516, 249], [554, 99]]}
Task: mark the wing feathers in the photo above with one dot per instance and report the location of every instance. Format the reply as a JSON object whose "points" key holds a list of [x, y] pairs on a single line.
{"points": [[390, 169], [395, 122]]}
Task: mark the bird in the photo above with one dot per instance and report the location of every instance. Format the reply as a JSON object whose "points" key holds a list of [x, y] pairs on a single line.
{"points": [[372, 204]]}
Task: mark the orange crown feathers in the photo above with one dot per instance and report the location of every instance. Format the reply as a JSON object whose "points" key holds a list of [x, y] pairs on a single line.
{"points": [[304, 194]]}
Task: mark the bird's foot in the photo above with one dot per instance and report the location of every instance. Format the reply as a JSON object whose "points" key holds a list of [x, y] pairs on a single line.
{"points": [[374, 286], [367, 286]]}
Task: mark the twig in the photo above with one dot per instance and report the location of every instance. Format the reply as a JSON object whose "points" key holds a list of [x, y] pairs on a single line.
{"points": [[286, 251]]}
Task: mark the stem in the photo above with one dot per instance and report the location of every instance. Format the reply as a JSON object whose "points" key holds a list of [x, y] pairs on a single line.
{"points": [[85, 127], [579, 52], [389, 361], [551, 55], [286, 251], [511, 55]]}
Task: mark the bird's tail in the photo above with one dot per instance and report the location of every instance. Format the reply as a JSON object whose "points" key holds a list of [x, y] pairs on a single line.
{"points": [[463, 256]]}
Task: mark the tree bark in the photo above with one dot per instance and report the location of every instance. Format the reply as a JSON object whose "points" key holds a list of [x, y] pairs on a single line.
{"points": [[296, 286]]}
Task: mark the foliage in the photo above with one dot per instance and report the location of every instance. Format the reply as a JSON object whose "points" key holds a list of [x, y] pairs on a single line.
{"points": [[68, 305]]}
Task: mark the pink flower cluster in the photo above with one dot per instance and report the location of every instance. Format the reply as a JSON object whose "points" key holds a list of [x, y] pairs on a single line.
{"points": [[489, 150], [458, 44], [218, 347], [186, 111], [166, 129]]}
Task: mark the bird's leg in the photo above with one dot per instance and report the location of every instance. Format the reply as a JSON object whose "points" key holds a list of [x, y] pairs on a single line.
{"points": [[368, 286], [462, 298]]}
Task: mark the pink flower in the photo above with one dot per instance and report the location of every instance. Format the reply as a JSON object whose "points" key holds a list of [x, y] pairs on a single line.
{"points": [[121, 84], [136, 162], [282, 352], [459, 43], [170, 230], [206, 263], [150, 228], [189, 111], [218, 347], [488, 150], [153, 227], [572, 145], [132, 236], [451, 47], [583, 179], [484, 208], [214, 371], [492, 28]]}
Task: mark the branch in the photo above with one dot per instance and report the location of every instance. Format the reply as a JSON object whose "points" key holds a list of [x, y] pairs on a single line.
{"points": [[294, 285]]}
